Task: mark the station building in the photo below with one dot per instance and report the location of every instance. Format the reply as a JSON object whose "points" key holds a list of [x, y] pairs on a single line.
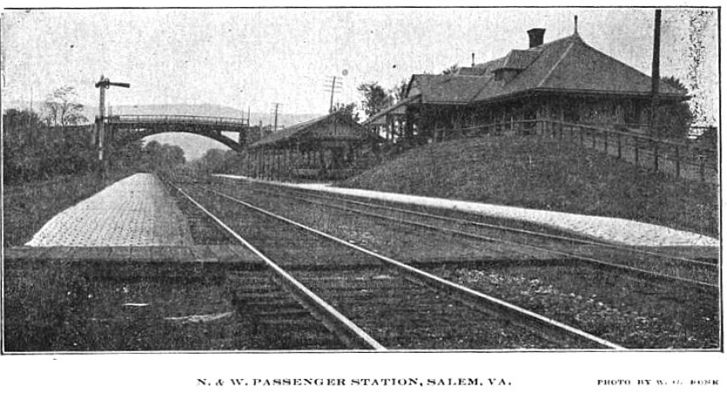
{"points": [[565, 80]]}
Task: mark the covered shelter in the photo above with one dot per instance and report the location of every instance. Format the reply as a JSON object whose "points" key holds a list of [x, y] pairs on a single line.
{"points": [[324, 147]]}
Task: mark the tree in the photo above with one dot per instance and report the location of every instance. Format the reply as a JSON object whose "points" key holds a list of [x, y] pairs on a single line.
{"points": [[709, 139], [398, 93], [32, 150], [62, 107], [130, 156], [213, 161], [172, 155], [161, 156], [152, 148], [20, 158], [451, 70], [673, 119], [697, 78], [346, 111], [15, 120], [375, 97]]}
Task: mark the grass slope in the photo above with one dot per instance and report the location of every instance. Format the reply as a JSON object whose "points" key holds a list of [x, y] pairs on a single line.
{"points": [[547, 174], [28, 206]]}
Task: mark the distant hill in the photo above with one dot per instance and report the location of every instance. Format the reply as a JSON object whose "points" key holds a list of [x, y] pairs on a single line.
{"points": [[194, 146], [547, 174]]}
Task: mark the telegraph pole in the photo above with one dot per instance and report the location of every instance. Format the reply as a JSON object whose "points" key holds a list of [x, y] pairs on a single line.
{"points": [[334, 86], [275, 125], [655, 72], [242, 108], [30, 115], [241, 136]]}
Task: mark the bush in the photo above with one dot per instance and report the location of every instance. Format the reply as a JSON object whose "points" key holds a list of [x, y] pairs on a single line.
{"points": [[33, 150]]}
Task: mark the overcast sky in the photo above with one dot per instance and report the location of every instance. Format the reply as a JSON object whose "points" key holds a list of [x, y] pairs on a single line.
{"points": [[287, 55]]}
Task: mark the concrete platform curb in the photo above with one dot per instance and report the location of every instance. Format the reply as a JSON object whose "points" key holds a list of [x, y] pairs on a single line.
{"points": [[616, 230]]}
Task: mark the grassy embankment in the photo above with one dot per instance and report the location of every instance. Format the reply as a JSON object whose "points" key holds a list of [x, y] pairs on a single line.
{"points": [[38, 295], [29, 205], [547, 174], [51, 306]]}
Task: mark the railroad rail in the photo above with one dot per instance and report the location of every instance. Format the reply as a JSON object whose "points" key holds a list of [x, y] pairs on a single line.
{"points": [[548, 328], [635, 271], [334, 320], [265, 307], [572, 239]]}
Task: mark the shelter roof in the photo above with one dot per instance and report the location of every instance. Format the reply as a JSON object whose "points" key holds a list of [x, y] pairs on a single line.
{"points": [[312, 127]]}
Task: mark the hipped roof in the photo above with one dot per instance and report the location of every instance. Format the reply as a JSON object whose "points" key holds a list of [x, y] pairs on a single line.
{"points": [[567, 65]]}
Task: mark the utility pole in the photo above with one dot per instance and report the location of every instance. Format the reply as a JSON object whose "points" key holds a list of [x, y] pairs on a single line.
{"points": [[102, 85], [242, 108], [275, 125], [30, 115], [334, 86], [655, 73]]}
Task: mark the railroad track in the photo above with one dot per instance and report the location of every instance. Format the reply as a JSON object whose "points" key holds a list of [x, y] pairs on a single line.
{"points": [[381, 303], [689, 272], [274, 317], [631, 309], [342, 327]]}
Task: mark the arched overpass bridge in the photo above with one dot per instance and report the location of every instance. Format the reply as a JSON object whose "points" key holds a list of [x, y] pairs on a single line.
{"points": [[128, 128]]}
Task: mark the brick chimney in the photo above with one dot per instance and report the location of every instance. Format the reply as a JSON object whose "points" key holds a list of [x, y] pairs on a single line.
{"points": [[536, 36]]}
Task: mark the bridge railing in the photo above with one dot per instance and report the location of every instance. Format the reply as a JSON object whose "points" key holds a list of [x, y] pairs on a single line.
{"points": [[176, 119]]}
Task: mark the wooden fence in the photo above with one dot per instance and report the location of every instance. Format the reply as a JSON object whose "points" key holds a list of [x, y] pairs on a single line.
{"points": [[684, 159]]}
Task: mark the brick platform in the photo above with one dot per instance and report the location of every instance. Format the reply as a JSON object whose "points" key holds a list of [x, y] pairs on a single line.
{"points": [[135, 211]]}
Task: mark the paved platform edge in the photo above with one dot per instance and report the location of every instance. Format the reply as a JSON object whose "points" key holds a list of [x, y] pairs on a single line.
{"points": [[346, 192]]}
